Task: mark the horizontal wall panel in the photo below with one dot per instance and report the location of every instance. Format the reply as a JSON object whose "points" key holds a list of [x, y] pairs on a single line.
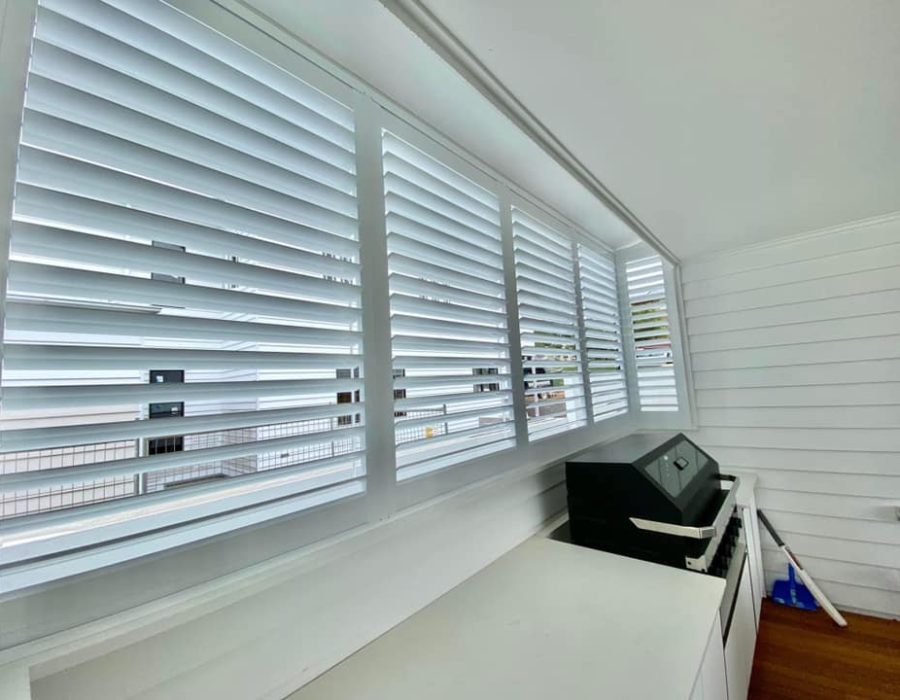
{"points": [[835, 505], [849, 307], [841, 418], [791, 273], [864, 553], [850, 484], [802, 333], [832, 526], [803, 438], [886, 346], [834, 373], [850, 573], [795, 351], [810, 460], [862, 394], [828, 288], [861, 236]]}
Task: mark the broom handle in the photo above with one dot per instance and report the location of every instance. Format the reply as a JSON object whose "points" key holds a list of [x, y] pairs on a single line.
{"points": [[805, 577], [814, 589]]}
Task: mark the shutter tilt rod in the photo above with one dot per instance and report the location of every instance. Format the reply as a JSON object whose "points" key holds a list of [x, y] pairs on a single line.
{"points": [[805, 577]]}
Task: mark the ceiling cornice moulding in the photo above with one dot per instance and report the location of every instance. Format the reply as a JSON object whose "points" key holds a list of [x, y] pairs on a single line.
{"points": [[421, 21]]}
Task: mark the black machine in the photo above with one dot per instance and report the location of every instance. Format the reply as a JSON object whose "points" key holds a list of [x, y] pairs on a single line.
{"points": [[662, 499]]}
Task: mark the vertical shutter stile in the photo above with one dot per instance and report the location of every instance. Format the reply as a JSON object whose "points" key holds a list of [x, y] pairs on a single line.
{"points": [[184, 243], [452, 390], [654, 364]]}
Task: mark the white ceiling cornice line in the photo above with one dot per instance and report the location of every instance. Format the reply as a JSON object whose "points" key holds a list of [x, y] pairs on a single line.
{"points": [[436, 35], [793, 239]]}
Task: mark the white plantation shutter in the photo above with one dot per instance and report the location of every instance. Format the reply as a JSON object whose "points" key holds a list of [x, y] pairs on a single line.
{"points": [[452, 391], [652, 337], [181, 205], [602, 334], [549, 328]]}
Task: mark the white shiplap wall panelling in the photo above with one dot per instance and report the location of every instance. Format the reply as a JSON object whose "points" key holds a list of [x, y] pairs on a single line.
{"points": [[845, 373], [831, 461], [799, 313], [833, 526], [870, 325], [795, 350], [800, 354], [865, 553], [828, 504], [805, 438], [850, 283], [868, 259], [861, 394], [842, 239], [790, 417]]}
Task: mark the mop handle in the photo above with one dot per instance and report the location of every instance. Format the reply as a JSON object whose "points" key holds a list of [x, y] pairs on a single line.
{"points": [[765, 521], [805, 577], [814, 589]]}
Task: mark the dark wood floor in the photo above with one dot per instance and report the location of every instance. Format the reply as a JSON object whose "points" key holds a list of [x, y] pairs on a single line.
{"points": [[804, 656]]}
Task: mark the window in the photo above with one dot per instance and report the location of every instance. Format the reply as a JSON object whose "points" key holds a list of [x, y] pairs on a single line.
{"points": [[183, 204], [452, 392], [187, 344], [549, 329], [602, 334], [654, 364]]}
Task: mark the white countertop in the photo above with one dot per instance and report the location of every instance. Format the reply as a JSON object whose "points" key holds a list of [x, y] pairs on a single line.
{"points": [[547, 620]]}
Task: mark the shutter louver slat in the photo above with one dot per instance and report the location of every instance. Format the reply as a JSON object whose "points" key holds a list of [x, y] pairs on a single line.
{"points": [[651, 335], [548, 323], [603, 334], [452, 390], [183, 304]]}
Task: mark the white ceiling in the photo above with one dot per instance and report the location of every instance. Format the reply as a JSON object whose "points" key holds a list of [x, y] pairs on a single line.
{"points": [[718, 123], [364, 38]]}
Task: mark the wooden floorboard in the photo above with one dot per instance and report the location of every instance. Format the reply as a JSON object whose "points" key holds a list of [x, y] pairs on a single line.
{"points": [[803, 655]]}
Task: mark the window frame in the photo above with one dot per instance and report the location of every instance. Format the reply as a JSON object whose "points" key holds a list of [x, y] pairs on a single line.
{"points": [[384, 497]]}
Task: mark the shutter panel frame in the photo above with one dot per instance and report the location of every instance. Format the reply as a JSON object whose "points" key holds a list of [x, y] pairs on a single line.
{"points": [[450, 334], [550, 328], [253, 291], [652, 341]]}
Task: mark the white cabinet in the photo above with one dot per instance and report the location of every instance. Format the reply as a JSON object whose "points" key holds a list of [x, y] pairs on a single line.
{"points": [[746, 500], [741, 641], [725, 672]]}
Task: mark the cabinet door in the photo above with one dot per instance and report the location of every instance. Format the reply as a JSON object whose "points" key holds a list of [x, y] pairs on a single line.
{"points": [[741, 641], [711, 682]]}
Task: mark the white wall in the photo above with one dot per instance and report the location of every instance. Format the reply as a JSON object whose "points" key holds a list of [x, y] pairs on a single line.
{"points": [[795, 349]]}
